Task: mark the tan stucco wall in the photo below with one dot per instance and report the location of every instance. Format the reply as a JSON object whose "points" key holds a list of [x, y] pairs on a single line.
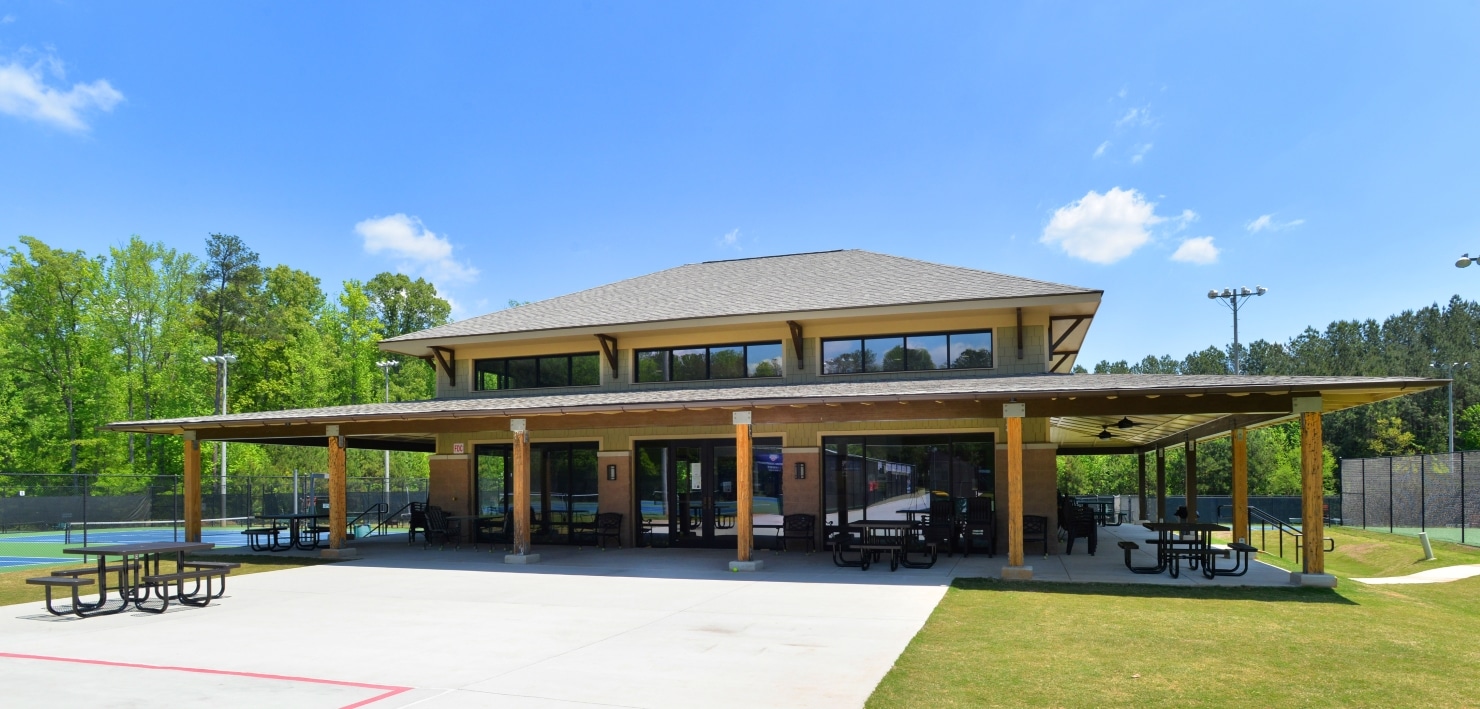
{"points": [[451, 483]]}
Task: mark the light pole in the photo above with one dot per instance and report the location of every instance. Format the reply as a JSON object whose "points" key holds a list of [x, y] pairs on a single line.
{"points": [[1231, 298], [223, 364], [1449, 368], [386, 366]]}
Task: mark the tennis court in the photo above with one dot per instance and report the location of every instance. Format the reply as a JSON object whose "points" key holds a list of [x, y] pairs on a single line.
{"points": [[19, 549]]}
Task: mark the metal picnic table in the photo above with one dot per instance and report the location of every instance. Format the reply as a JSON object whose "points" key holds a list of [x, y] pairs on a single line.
{"points": [[138, 576]]}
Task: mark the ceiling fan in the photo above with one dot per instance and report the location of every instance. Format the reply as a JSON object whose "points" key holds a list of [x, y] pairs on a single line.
{"points": [[1125, 423], [1105, 433]]}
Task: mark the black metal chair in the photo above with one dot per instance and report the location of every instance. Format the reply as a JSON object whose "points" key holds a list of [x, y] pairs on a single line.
{"points": [[941, 524], [418, 522], [799, 526], [436, 528], [980, 517], [1035, 529], [608, 525], [1079, 522]]}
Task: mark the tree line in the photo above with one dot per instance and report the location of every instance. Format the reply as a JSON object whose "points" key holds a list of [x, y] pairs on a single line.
{"points": [[87, 340], [1413, 343]]}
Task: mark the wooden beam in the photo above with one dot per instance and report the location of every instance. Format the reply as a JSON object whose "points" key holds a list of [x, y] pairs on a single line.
{"points": [[192, 488], [420, 446], [796, 342], [1189, 481], [1212, 429], [1014, 491], [1312, 493], [448, 359], [744, 467], [1141, 484], [1161, 484], [609, 348], [521, 490], [1241, 485], [338, 515], [1134, 405]]}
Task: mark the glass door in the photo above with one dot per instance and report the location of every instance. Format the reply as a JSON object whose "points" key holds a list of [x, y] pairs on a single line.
{"points": [[687, 494], [493, 467]]}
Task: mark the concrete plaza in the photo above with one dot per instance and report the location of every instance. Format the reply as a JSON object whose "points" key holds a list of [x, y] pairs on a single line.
{"points": [[406, 626]]}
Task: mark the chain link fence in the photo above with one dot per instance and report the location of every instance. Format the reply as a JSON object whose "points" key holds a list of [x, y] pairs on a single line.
{"points": [[40, 513], [1438, 494]]}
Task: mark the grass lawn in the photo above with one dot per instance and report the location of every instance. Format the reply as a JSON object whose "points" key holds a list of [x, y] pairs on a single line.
{"points": [[13, 587], [993, 643]]}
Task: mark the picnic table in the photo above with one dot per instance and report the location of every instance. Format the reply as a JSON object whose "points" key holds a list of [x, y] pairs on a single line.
{"points": [[299, 536], [1193, 542], [876, 537], [1104, 511], [138, 577]]}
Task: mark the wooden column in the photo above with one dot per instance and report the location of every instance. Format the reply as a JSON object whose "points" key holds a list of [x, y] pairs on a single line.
{"points": [[1161, 484], [1141, 485], [1312, 492], [744, 468], [191, 490], [1240, 485], [337, 512], [521, 487], [1191, 480], [1014, 489]]}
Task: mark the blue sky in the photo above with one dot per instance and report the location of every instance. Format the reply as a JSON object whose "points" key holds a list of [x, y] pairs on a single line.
{"points": [[1324, 150]]}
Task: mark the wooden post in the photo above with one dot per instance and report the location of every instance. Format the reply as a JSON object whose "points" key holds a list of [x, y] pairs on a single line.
{"points": [[521, 487], [1312, 489], [191, 490], [1191, 480], [1240, 485], [337, 512], [744, 467], [1141, 485], [1014, 488], [1161, 484]]}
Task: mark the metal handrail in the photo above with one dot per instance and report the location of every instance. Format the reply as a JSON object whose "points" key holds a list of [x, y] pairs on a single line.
{"points": [[378, 509], [1281, 526], [380, 528]]}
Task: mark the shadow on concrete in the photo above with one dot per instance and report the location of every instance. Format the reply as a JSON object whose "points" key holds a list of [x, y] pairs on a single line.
{"points": [[1289, 594]]}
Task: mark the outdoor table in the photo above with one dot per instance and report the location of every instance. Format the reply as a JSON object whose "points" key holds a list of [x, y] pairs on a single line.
{"points": [[135, 561], [1104, 511], [1198, 550], [912, 514], [295, 521], [875, 536]]}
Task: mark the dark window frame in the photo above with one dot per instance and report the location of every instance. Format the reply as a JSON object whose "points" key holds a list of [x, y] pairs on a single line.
{"points": [[860, 339], [708, 362], [503, 371]]}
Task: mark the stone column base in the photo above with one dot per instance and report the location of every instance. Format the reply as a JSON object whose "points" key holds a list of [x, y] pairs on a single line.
{"points": [[521, 558], [756, 565], [1017, 573], [1313, 580]]}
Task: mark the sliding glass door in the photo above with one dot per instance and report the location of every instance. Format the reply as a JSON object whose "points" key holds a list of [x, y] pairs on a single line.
{"points": [[562, 490], [687, 494]]}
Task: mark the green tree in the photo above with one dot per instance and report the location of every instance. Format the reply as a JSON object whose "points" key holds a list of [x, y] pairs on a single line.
{"points": [[229, 284]]}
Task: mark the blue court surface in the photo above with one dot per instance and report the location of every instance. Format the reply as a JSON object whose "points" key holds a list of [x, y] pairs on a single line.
{"points": [[230, 536], [10, 562]]}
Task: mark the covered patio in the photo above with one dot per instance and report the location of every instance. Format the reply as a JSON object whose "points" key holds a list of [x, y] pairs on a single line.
{"points": [[1032, 419]]}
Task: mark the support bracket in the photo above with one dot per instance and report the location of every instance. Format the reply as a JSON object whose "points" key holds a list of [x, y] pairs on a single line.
{"points": [[796, 342], [448, 360], [609, 348]]}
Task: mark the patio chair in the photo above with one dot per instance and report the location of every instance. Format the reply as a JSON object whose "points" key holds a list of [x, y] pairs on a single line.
{"points": [[799, 526], [418, 522], [609, 525], [1035, 529], [941, 523], [1079, 522], [979, 517], [437, 528]]}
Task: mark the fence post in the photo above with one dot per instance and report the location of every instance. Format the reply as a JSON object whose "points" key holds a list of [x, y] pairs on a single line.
{"points": [[1364, 493], [1463, 521], [1423, 497], [1390, 495]]}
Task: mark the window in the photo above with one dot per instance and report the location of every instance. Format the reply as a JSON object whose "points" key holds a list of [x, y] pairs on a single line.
{"points": [[914, 353], [687, 364], [537, 372]]}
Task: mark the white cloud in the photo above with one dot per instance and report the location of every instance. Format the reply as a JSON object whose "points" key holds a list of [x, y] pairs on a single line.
{"points": [[1199, 250], [1140, 153], [7, 19], [1101, 150], [24, 92], [418, 248], [1102, 228], [731, 240], [1135, 117], [1266, 222]]}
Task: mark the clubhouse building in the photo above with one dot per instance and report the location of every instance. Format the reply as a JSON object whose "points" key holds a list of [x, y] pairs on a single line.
{"points": [[704, 400]]}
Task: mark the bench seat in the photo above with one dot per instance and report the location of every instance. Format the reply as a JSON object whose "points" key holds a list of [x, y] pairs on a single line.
{"points": [[71, 581]]}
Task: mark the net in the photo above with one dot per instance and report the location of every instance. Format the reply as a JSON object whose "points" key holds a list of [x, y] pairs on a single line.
{"points": [[222, 531]]}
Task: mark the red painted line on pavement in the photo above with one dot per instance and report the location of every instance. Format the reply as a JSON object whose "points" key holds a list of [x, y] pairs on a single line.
{"points": [[391, 690]]}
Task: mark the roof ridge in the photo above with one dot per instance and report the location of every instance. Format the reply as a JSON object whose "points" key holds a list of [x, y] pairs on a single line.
{"points": [[757, 258], [979, 270]]}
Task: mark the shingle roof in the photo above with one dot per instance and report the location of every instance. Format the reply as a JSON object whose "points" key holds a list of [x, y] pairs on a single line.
{"points": [[827, 280], [1035, 386]]}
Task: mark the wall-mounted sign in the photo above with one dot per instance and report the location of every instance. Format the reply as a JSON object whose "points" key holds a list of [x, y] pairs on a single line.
{"points": [[458, 448], [696, 480]]}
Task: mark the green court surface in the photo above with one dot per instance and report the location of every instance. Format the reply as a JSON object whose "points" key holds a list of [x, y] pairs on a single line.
{"points": [[35, 548]]}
